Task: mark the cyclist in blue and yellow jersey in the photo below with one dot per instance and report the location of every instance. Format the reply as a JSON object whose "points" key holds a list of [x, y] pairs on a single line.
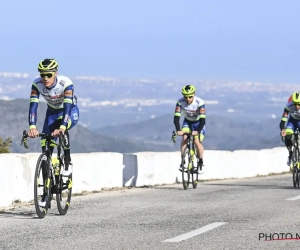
{"points": [[62, 111], [193, 109], [290, 121]]}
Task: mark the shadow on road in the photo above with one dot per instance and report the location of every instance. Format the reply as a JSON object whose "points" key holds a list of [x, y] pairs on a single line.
{"points": [[257, 186], [18, 214]]}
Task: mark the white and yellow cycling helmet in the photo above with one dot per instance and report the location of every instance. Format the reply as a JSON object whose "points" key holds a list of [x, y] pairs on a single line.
{"points": [[188, 90], [296, 98], [48, 65]]}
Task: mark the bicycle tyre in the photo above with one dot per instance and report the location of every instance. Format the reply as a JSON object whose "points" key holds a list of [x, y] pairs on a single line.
{"points": [[295, 177], [195, 177], [41, 213], [185, 171], [63, 209], [297, 167], [295, 157]]}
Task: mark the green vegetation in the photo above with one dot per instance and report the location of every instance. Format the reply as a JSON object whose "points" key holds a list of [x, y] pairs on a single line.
{"points": [[5, 145]]}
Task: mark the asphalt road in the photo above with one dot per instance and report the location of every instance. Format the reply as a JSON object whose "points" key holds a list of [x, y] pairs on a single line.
{"points": [[228, 214]]}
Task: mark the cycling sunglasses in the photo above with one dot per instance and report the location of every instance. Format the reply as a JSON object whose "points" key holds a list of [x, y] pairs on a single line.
{"points": [[188, 97], [48, 74]]}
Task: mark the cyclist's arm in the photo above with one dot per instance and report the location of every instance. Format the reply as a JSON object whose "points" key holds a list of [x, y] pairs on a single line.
{"points": [[68, 101], [284, 118], [202, 117], [177, 116], [34, 101]]}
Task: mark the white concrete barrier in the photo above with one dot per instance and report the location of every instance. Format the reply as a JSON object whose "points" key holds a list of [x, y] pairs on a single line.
{"points": [[96, 171], [91, 172], [152, 168]]}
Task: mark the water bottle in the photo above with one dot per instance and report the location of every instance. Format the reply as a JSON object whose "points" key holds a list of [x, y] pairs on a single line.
{"points": [[55, 165]]}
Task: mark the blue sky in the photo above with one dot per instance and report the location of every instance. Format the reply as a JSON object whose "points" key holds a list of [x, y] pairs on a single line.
{"points": [[256, 40]]}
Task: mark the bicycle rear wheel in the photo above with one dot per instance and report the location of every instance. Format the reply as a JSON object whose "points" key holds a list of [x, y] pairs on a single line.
{"points": [[186, 170], [42, 186], [63, 197]]}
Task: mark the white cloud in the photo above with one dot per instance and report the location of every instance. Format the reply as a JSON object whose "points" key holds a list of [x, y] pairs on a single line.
{"points": [[5, 98]]}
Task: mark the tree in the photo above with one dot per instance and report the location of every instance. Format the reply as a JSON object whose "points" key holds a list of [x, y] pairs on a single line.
{"points": [[5, 145]]}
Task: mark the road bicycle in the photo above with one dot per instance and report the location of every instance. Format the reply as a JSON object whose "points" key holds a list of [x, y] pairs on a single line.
{"points": [[295, 160], [189, 171], [48, 178]]}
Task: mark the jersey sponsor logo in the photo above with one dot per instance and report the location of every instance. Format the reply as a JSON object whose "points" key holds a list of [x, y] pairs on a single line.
{"points": [[47, 96], [75, 116], [62, 82], [32, 117], [44, 88], [57, 91]]}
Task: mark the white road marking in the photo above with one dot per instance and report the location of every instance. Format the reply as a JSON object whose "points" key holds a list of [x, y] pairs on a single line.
{"points": [[195, 232], [293, 198]]}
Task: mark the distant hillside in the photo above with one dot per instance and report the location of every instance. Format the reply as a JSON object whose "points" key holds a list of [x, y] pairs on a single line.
{"points": [[14, 119], [222, 132]]}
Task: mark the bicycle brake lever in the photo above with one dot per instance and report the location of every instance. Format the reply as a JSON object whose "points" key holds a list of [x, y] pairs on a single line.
{"points": [[24, 140], [173, 138]]}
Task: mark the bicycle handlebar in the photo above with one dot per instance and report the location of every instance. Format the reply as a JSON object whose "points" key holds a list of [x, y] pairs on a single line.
{"points": [[47, 137], [174, 134], [185, 133]]}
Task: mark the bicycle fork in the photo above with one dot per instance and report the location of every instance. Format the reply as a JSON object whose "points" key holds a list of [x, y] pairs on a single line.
{"points": [[191, 157]]}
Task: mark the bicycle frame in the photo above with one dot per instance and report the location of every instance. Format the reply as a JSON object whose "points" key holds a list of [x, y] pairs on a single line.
{"points": [[191, 147]]}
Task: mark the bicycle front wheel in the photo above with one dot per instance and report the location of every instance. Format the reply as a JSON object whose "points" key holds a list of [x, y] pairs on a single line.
{"points": [[42, 185], [186, 169], [63, 197], [195, 177], [295, 177]]}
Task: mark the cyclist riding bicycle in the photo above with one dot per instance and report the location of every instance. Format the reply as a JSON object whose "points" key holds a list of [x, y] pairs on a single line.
{"points": [[193, 109], [62, 112], [289, 124]]}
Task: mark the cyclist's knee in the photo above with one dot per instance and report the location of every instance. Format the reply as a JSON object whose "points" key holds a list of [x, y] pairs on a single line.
{"points": [[201, 138], [184, 139], [197, 142]]}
